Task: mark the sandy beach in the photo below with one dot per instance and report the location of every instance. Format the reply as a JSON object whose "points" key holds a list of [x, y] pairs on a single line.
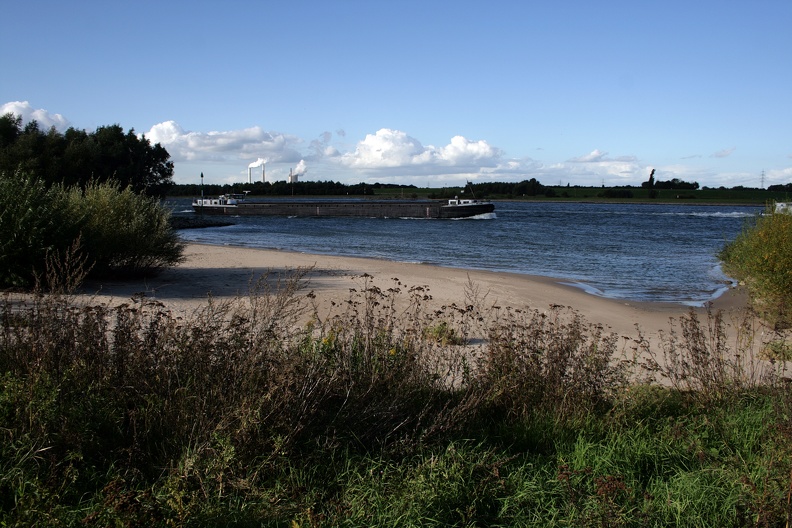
{"points": [[225, 272]]}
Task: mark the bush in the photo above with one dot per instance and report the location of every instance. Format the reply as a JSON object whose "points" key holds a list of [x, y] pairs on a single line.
{"points": [[123, 232], [33, 225], [52, 235], [761, 255]]}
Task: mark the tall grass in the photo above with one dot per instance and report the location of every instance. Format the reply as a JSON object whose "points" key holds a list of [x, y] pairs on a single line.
{"points": [[385, 411], [761, 255]]}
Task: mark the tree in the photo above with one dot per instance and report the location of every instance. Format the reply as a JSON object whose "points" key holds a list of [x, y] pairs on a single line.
{"points": [[10, 128], [79, 158], [649, 184]]}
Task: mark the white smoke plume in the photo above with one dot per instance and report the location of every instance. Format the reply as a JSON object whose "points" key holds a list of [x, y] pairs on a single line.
{"points": [[258, 163], [301, 168]]}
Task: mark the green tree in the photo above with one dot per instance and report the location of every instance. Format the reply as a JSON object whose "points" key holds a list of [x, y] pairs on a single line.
{"points": [[78, 157]]}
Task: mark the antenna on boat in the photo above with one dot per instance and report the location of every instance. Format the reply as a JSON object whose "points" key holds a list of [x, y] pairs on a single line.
{"points": [[470, 184]]}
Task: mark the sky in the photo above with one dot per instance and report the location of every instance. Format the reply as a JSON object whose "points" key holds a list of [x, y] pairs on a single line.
{"points": [[429, 93]]}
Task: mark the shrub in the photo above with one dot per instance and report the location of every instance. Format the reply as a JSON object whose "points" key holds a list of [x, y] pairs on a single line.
{"points": [[550, 362], [698, 357], [51, 237], [123, 232], [761, 255], [33, 224]]}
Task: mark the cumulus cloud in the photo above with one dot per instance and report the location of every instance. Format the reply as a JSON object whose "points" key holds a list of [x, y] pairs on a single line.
{"points": [[389, 148], [45, 119], [723, 153], [232, 145]]}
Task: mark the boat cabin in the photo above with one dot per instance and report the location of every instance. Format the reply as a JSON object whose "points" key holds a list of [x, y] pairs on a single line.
{"points": [[224, 199], [457, 201]]}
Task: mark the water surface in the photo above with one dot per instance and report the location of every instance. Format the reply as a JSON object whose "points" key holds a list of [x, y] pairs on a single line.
{"points": [[665, 253]]}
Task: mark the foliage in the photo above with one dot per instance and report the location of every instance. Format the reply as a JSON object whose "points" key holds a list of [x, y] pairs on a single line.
{"points": [[123, 232], [616, 193], [77, 157], [761, 255], [34, 223], [676, 184], [53, 237], [786, 187], [551, 361], [239, 414]]}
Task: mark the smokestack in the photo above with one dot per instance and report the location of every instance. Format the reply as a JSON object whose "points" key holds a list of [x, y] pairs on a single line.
{"points": [[263, 176], [258, 163]]}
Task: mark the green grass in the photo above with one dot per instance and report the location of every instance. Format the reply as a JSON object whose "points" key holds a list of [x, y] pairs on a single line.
{"points": [[239, 415]]}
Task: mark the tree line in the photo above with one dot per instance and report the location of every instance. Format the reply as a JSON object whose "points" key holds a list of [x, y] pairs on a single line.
{"points": [[78, 157]]}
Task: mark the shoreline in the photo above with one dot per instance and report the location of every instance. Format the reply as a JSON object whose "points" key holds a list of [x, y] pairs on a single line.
{"points": [[227, 272]]}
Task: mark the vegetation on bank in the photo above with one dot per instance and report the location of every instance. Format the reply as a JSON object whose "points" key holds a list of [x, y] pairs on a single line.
{"points": [[761, 256], [382, 413], [55, 236]]}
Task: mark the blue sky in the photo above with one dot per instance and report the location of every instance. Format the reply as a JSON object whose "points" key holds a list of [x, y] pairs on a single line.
{"points": [[431, 93]]}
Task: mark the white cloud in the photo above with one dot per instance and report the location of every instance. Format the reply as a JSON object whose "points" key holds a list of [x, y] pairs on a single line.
{"points": [[597, 168], [464, 151], [778, 176], [223, 146], [322, 148], [45, 119], [387, 149]]}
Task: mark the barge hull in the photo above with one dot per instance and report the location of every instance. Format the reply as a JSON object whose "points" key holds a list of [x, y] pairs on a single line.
{"points": [[365, 210]]}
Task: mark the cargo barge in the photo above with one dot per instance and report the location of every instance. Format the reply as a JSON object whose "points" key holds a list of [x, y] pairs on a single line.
{"points": [[239, 204]]}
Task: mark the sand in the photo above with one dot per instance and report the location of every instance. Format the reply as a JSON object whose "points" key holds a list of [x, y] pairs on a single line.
{"points": [[225, 272]]}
